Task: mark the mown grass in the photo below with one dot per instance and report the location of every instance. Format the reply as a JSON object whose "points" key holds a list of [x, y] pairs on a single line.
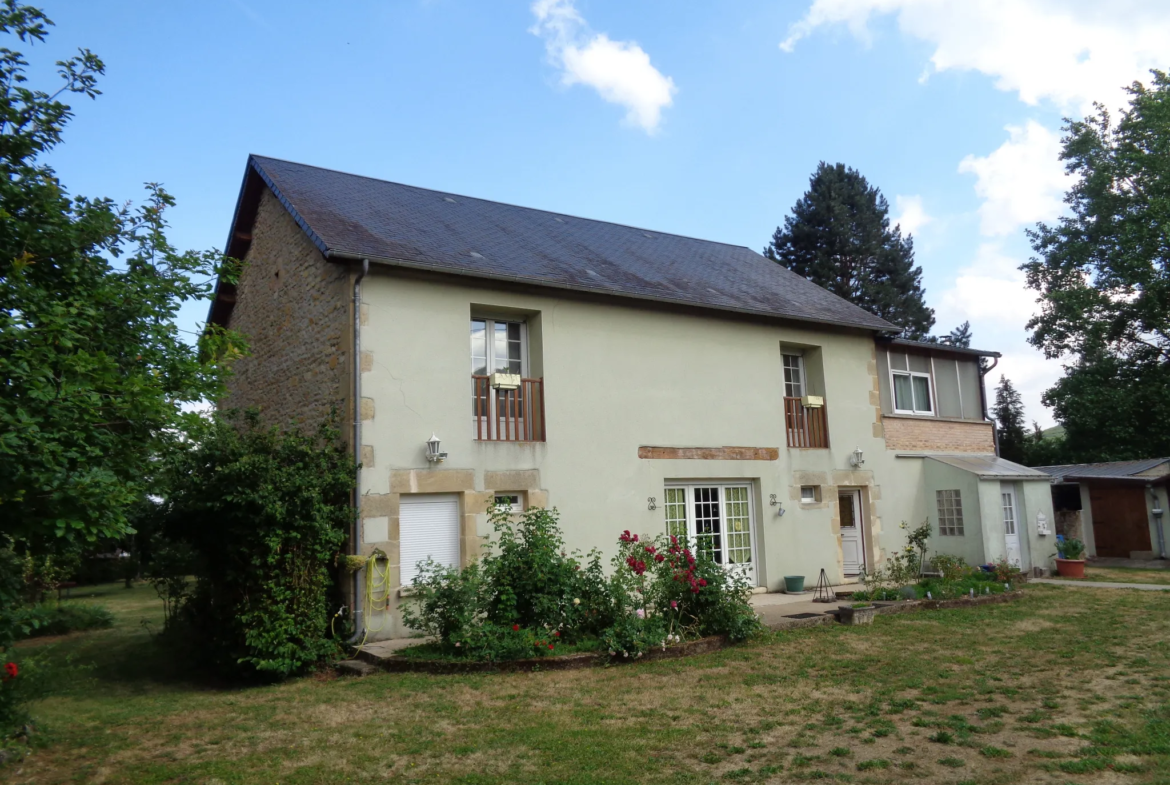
{"points": [[1063, 686], [1127, 575]]}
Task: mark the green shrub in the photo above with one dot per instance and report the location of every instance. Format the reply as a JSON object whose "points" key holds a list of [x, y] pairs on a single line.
{"points": [[265, 514], [1070, 548], [52, 619], [23, 679], [527, 596], [529, 578]]}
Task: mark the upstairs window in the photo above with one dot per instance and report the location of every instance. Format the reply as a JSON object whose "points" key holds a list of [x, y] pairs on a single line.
{"points": [[793, 375], [912, 394], [497, 346], [503, 408]]}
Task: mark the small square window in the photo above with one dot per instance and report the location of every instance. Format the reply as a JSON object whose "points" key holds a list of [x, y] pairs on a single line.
{"points": [[810, 494], [512, 501]]}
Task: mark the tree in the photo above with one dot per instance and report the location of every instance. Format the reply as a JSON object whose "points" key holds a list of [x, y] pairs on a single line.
{"points": [[839, 237], [1103, 274], [1008, 412], [94, 371], [960, 336], [265, 513]]}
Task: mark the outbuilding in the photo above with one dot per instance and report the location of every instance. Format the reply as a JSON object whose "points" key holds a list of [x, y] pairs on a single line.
{"points": [[1116, 508]]}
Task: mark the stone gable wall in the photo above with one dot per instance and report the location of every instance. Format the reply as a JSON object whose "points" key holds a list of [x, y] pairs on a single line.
{"points": [[293, 307]]}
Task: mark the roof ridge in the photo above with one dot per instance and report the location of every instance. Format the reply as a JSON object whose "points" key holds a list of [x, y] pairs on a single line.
{"points": [[503, 204]]}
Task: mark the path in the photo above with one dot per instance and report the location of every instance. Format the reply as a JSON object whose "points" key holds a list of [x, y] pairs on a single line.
{"points": [[1102, 584]]}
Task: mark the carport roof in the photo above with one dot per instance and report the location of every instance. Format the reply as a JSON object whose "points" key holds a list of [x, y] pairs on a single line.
{"points": [[991, 467], [1114, 470]]}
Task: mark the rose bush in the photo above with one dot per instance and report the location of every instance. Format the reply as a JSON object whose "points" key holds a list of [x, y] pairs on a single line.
{"points": [[527, 596]]}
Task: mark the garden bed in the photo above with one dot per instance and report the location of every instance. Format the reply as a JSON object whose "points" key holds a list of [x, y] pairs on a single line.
{"points": [[402, 662]]}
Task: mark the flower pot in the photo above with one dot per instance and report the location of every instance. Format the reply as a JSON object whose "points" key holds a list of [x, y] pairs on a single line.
{"points": [[1070, 568], [848, 615], [794, 584]]}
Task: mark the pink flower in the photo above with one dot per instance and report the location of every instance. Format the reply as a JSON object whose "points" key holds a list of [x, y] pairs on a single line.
{"points": [[641, 613], [673, 604]]}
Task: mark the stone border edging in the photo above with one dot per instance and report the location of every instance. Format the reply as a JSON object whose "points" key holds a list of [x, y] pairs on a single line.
{"points": [[566, 662]]}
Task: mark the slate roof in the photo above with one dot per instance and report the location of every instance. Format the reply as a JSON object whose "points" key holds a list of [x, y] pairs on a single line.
{"points": [[352, 217], [1115, 470], [990, 467]]}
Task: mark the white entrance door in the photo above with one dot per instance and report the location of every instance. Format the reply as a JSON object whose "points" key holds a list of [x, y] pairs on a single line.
{"points": [[1011, 531], [428, 527], [718, 518], [852, 539]]}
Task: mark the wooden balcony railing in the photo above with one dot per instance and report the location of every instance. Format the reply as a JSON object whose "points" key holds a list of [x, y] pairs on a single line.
{"points": [[807, 427], [508, 415]]}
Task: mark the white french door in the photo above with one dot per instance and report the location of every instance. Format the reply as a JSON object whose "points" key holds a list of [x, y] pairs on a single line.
{"points": [[718, 518], [1011, 531]]}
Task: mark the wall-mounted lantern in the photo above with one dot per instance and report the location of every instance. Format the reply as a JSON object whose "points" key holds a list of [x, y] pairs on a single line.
{"points": [[433, 454], [773, 501], [856, 458]]}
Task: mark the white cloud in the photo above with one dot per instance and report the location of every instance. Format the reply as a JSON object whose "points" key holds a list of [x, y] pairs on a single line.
{"points": [[620, 71], [1070, 52], [992, 295], [991, 289], [1021, 182], [911, 214]]}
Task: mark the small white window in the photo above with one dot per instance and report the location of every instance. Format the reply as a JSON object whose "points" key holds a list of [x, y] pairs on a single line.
{"points": [[810, 494], [513, 501], [793, 375], [912, 393], [950, 513]]}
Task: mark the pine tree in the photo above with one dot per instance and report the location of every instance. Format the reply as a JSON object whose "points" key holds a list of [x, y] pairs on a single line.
{"points": [[839, 236], [960, 336], [1009, 418]]}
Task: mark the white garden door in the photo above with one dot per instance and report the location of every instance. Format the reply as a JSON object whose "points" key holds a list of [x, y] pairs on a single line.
{"points": [[428, 526], [1011, 529], [718, 518], [852, 539]]}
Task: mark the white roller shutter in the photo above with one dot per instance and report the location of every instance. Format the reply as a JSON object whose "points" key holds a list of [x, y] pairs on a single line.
{"points": [[428, 525]]}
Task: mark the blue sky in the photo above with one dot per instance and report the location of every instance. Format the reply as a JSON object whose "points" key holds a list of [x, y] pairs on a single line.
{"points": [[704, 119]]}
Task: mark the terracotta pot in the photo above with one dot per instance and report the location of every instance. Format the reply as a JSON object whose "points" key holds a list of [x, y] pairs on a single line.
{"points": [[1070, 568]]}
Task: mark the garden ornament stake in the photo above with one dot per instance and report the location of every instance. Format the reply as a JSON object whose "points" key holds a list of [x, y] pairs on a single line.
{"points": [[823, 592]]}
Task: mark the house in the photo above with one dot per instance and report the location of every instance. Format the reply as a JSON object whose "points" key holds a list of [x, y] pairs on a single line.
{"points": [[1116, 508], [486, 353]]}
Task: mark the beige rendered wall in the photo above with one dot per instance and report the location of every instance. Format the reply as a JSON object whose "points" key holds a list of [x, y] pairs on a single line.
{"points": [[939, 476], [618, 378], [1035, 497]]}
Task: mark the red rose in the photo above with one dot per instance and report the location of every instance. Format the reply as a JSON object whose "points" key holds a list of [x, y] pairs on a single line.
{"points": [[557, 633], [515, 628], [550, 647], [658, 557], [702, 581], [10, 670]]}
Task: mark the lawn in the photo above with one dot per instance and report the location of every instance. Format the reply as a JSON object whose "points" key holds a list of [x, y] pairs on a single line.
{"points": [[1127, 575], [1063, 686]]}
